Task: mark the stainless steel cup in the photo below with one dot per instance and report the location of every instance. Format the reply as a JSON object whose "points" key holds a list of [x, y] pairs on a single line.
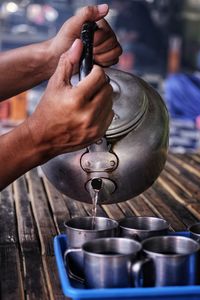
{"points": [[82, 229], [140, 228], [108, 262], [195, 232], [169, 261]]}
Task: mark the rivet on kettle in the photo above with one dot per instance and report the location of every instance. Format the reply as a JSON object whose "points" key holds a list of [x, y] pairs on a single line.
{"points": [[112, 163], [99, 142]]}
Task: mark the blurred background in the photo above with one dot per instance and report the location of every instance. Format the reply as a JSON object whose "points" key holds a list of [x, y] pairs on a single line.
{"points": [[161, 44]]}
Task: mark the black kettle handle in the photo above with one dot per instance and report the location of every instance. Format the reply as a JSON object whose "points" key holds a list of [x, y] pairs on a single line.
{"points": [[87, 37]]}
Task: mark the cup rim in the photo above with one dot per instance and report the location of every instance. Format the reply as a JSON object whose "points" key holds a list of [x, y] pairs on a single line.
{"points": [[172, 238], [165, 226], [110, 255], [115, 224]]}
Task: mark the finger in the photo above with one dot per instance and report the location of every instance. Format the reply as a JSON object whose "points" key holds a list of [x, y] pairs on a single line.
{"points": [[75, 52], [109, 44], [107, 64], [109, 58], [73, 57], [88, 13], [92, 13], [63, 73], [100, 113], [92, 83], [102, 102], [103, 33]]}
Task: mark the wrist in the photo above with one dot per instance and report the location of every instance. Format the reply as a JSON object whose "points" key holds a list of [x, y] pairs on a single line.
{"points": [[45, 60], [28, 155], [40, 147], [50, 58]]}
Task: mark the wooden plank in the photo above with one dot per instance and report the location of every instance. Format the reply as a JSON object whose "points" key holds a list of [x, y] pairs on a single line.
{"points": [[53, 281], [195, 170], [140, 207], [154, 200], [11, 286], [27, 231], [176, 207], [183, 185], [177, 191], [178, 194], [8, 232], [171, 168], [113, 211], [195, 157], [58, 205], [42, 214], [47, 230], [182, 171], [181, 180], [100, 211], [191, 160], [34, 279], [126, 209], [76, 208], [194, 208]]}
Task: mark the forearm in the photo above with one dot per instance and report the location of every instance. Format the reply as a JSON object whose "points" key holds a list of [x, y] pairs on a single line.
{"points": [[25, 67], [17, 154]]}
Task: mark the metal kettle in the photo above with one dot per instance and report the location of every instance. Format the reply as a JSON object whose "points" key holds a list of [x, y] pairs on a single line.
{"points": [[131, 155]]}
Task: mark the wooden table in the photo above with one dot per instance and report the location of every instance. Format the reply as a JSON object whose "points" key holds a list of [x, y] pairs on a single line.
{"points": [[32, 212]]}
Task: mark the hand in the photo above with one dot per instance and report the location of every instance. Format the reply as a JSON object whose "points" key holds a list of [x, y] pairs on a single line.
{"points": [[106, 47], [68, 117]]}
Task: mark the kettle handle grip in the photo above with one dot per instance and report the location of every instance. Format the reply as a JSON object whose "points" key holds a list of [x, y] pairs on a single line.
{"points": [[87, 36]]}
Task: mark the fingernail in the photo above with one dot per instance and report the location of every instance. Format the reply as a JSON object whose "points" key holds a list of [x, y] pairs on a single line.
{"points": [[75, 43], [102, 9]]}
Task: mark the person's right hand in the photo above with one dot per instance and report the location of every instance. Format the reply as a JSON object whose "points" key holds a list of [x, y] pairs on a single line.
{"points": [[68, 117]]}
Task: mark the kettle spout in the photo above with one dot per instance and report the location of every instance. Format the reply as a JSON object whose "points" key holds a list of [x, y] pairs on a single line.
{"points": [[103, 186], [96, 184]]}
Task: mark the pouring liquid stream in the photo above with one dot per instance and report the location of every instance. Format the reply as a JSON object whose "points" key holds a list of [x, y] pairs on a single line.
{"points": [[94, 208], [96, 185]]}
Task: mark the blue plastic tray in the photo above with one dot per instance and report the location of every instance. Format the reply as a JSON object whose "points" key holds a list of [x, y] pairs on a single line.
{"points": [[75, 291]]}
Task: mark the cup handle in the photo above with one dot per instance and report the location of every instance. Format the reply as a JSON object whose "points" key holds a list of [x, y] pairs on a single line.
{"points": [[137, 269], [192, 237], [67, 265], [196, 239]]}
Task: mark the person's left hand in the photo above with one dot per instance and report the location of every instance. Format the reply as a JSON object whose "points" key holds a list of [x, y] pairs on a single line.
{"points": [[106, 46]]}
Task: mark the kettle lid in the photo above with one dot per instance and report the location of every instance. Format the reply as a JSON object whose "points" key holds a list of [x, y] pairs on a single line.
{"points": [[129, 102]]}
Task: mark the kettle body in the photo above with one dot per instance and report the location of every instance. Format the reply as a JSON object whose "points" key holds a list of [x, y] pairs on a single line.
{"points": [[131, 155]]}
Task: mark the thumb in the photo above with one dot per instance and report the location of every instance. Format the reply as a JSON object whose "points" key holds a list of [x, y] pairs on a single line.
{"points": [[88, 13], [67, 61], [93, 13]]}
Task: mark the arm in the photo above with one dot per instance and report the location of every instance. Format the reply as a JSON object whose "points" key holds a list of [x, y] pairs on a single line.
{"points": [[27, 66], [16, 154], [23, 68], [54, 129]]}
